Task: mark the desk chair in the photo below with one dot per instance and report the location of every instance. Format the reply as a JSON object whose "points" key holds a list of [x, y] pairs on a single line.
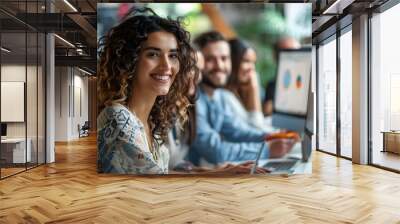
{"points": [[84, 130]]}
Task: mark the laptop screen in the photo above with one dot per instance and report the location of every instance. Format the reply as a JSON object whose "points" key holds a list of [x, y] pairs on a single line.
{"points": [[292, 81]]}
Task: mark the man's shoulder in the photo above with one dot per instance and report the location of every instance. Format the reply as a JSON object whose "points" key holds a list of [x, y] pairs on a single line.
{"points": [[220, 97], [226, 94], [228, 99]]}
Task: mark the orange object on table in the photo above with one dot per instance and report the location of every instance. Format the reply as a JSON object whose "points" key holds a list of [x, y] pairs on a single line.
{"points": [[283, 135]]}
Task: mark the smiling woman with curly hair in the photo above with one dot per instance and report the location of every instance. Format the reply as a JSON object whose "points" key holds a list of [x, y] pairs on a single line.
{"points": [[143, 81]]}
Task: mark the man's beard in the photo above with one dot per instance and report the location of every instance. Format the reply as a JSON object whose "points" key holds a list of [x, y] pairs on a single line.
{"points": [[208, 82]]}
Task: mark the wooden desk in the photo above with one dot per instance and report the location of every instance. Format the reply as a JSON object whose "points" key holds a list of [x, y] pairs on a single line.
{"points": [[391, 141], [13, 150]]}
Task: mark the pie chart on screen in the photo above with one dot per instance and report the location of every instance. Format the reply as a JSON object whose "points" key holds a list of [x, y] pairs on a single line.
{"points": [[287, 79], [299, 82]]}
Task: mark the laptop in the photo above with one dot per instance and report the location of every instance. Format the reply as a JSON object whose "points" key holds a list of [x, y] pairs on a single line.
{"points": [[301, 151]]}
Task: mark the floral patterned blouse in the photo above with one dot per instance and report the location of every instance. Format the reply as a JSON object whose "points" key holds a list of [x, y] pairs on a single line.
{"points": [[123, 147]]}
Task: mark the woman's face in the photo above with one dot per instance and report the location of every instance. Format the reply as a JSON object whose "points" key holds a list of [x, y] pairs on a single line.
{"points": [[158, 64], [247, 66]]}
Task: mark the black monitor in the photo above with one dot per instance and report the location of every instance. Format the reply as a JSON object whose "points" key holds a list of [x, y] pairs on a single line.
{"points": [[3, 129]]}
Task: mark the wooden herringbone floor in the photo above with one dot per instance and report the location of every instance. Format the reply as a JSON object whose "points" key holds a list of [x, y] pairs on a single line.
{"points": [[70, 191]]}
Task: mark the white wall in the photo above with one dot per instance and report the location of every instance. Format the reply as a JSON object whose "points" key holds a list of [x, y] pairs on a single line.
{"points": [[33, 127], [12, 73], [61, 103], [79, 117], [69, 82]]}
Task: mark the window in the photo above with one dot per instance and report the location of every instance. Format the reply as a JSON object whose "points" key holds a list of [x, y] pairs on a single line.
{"points": [[346, 94], [22, 75], [327, 97], [385, 88]]}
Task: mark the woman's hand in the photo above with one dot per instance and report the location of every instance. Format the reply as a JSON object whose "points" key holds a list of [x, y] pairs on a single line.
{"points": [[228, 168], [243, 168], [253, 78], [250, 92], [252, 83]]}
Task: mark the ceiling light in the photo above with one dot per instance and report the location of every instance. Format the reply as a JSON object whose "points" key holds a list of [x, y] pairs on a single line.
{"points": [[84, 71], [70, 5], [337, 7], [5, 50], [65, 41], [328, 10], [79, 51]]}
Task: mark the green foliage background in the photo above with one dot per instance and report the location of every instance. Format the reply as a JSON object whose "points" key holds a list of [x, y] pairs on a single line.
{"points": [[261, 30]]}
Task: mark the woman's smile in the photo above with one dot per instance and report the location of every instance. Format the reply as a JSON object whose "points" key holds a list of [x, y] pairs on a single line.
{"points": [[161, 78]]}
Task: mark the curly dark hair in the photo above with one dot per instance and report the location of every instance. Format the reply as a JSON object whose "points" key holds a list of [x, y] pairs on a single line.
{"points": [[119, 52]]}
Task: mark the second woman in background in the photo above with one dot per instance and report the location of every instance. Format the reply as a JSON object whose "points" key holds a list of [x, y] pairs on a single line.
{"points": [[243, 84]]}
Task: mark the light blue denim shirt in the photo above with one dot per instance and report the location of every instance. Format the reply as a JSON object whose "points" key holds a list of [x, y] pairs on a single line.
{"points": [[222, 137]]}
